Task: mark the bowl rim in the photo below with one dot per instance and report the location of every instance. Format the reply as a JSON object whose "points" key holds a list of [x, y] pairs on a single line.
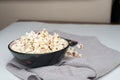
{"points": [[9, 47]]}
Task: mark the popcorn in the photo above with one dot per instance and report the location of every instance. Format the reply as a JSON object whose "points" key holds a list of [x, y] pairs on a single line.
{"points": [[72, 53], [39, 42], [80, 46]]}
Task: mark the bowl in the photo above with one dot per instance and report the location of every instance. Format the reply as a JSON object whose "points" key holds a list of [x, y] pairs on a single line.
{"points": [[38, 60]]}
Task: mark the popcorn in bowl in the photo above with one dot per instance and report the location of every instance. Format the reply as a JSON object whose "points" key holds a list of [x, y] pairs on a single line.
{"points": [[39, 43], [37, 49]]}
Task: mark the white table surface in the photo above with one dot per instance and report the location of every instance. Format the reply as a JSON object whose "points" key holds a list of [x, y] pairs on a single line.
{"points": [[109, 35]]}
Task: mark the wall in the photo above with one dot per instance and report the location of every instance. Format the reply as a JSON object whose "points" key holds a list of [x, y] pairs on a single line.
{"points": [[65, 10]]}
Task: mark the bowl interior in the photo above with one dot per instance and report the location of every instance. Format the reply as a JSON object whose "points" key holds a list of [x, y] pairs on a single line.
{"points": [[11, 43]]}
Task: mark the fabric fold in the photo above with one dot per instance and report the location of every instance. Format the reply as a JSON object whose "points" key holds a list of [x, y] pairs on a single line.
{"points": [[59, 72], [21, 71]]}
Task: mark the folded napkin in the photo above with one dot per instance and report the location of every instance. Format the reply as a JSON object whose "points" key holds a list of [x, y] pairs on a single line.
{"points": [[97, 60]]}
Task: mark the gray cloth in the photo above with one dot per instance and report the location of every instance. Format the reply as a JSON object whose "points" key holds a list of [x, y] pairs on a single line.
{"points": [[97, 61]]}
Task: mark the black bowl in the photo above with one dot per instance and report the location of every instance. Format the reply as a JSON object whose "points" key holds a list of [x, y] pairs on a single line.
{"points": [[38, 60]]}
